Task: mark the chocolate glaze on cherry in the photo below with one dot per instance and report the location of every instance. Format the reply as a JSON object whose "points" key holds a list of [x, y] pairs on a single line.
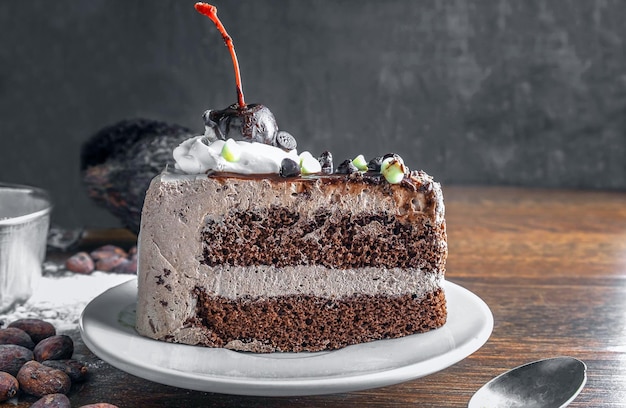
{"points": [[255, 123]]}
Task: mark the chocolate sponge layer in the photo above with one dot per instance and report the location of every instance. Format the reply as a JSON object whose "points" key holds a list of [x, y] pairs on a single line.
{"points": [[279, 236], [308, 323]]}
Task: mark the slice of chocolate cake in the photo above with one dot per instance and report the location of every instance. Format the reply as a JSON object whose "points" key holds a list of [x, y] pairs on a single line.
{"points": [[265, 263], [250, 246]]}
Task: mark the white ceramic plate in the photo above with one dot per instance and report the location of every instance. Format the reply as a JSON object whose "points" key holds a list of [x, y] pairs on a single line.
{"points": [[107, 328]]}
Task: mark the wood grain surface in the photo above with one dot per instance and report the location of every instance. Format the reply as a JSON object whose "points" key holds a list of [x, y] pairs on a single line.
{"points": [[550, 264]]}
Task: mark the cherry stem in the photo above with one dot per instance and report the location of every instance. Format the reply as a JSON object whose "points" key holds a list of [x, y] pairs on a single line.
{"points": [[211, 12]]}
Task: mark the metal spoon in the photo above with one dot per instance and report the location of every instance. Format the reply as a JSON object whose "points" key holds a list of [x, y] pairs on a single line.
{"points": [[549, 383]]}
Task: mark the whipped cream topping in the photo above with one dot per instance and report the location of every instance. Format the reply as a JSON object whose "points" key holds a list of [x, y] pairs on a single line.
{"points": [[208, 153], [199, 154]]}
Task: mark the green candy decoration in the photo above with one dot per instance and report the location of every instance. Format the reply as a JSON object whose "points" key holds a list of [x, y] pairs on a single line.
{"points": [[360, 163], [231, 151], [393, 169], [309, 164]]}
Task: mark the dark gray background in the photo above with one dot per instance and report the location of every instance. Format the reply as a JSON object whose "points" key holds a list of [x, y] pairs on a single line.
{"points": [[506, 92]]}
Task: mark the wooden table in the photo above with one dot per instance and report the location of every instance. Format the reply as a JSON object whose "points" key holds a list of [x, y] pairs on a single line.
{"points": [[550, 264]]}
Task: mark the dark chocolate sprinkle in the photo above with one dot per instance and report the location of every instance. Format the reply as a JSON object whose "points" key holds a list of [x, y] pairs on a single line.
{"points": [[375, 163], [286, 141], [289, 168], [346, 167], [326, 160]]}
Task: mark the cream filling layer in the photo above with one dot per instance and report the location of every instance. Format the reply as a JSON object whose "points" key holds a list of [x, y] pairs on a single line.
{"points": [[234, 282]]}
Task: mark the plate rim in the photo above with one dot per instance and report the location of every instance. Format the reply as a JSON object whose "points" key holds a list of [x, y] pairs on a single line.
{"points": [[280, 386]]}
